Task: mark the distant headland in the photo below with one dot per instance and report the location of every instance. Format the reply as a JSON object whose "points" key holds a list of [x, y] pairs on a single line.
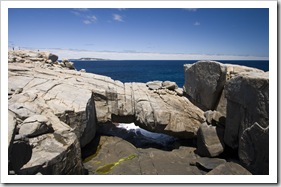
{"points": [[89, 59]]}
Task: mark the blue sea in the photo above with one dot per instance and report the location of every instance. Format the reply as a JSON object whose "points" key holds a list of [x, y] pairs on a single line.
{"points": [[149, 70]]}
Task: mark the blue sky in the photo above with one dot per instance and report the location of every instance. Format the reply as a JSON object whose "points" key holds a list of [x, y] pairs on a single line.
{"points": [[159, 33]]}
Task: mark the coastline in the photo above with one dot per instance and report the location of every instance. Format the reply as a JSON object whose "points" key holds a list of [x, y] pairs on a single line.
{"points": [[67, 103]]}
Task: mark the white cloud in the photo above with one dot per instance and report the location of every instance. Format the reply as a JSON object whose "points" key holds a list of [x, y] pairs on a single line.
{"points": [[92, 18], [118, 17], [196, 23], [76, 13], [87, 22]]}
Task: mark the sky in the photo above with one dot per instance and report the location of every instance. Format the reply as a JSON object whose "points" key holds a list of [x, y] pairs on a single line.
{"points": [[138, 33]]}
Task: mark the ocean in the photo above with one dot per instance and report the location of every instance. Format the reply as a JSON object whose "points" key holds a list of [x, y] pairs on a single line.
{"points": [[150, 70]]}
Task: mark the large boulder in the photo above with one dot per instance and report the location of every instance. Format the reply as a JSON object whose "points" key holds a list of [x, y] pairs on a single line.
{"points": [[56, 153], [35, 125], [247, 103], [254, 149], [204, 82]]}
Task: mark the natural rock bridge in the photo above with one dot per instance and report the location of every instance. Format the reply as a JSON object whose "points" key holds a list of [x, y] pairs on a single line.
{"points": [[59, 111]]}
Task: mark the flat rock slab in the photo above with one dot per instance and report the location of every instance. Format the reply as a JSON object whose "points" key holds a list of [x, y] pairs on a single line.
{"points": [[208, 163], [229, 168], [68, 93], [116, 156]]}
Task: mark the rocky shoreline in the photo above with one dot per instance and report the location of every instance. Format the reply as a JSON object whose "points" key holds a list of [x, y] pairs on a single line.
{"points": [[63, 121]]}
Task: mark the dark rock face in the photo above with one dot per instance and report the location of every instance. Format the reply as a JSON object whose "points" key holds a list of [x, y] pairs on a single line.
{"points": [[247, 103], [253, 149], [117, 156], [53, 57]]}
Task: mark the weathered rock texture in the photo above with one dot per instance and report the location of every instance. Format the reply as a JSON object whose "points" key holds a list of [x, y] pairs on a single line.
{"points": [[55, 110], [247, 103], [247, 122], [204, 82], [254, 150], [58, 109]]}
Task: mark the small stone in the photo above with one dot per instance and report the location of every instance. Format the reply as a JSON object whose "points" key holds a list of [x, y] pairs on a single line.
{"points": [[210, 140], [209, 163], [169, 85], [154, 85], [179, 91], [53, 57]]}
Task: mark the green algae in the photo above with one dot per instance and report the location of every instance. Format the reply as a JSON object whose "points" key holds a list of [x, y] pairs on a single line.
{"points": [[87, 159], [108, 167]]}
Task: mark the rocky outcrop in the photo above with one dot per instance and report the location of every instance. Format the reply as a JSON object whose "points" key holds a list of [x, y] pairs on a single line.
{"points": [[58, 110], [205, 81], [39, 59], [55, 110], [240, 94]]}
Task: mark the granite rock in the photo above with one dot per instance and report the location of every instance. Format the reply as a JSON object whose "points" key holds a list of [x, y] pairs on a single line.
{"points": [[247, 103], [254, 149]]}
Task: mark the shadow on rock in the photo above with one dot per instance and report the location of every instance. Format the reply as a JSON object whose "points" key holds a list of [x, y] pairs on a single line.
{"points": [[140, 138], [20, 155]]}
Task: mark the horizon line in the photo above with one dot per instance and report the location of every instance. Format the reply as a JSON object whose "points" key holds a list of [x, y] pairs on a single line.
{"points": [[117, 55]]}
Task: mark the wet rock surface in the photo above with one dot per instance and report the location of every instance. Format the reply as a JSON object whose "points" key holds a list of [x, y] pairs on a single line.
{"points": [[122, 150]]}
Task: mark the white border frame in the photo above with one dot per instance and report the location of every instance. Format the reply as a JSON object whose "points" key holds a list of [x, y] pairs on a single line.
{"points": [[271, 178]]}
